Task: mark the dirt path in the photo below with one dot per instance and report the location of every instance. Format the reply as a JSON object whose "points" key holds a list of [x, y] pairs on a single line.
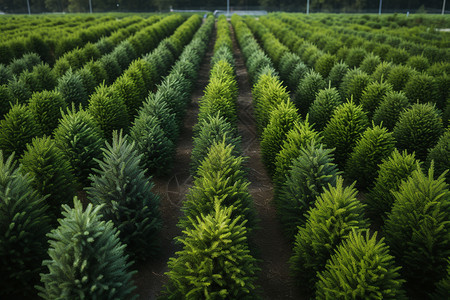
{"points": [[150, 277], [273, 248]]}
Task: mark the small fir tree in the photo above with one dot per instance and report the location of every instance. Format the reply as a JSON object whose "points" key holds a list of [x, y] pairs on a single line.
{"points": [[50, 172], [373, 95], [80, 139], [311, 172], [212, 130], [215, 262], [87, 258], [335, 213], [418, 230], [220, 178], [392, 172], [282, 119], [361, 268], [344, 129], [322, 108], [108, 110], [121, 185], [390, 108], [307, 90], [376, 144], [418, 129], [157, 149], [72, 89], [17, 129], [440, 154], [24, 222], [46, 109]]}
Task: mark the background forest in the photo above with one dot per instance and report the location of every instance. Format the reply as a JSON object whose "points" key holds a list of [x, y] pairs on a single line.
{"points": [[39, 6]]}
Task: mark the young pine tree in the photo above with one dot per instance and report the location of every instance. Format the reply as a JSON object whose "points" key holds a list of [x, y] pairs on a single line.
{"points": [[361, 268], [215, 262], [282, 119], [335, 213], [418, 230], [121, 185], [418, 129], [220, 178], [17, 129], [46, 109], [50, 172], [87, 258], [80, 139], [24, 222], [311, 172], [392, 171], [376, 144]]}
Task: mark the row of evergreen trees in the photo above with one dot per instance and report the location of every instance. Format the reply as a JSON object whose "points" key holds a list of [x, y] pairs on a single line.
{"points": [[50, 40], [80, 71], [218, 216], [118, 186], [326, 218]]}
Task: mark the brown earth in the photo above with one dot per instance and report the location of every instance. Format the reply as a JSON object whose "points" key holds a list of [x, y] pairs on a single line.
{"points": [[272, 248]]}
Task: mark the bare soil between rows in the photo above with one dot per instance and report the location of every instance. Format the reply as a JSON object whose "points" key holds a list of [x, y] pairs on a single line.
{"points": [[272, 249]]}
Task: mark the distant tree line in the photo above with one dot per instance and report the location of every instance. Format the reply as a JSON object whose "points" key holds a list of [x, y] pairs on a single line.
{"points": [[38, 6]]}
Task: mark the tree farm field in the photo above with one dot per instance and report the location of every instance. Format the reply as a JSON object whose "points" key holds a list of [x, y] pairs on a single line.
{"points": [[194, 156]]}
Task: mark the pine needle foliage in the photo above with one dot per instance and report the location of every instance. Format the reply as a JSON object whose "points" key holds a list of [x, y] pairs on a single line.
{"points": [[20, 91], [80, 139], [373, 95], [17, 129], [301, 135], [282, 119], [220, 178], [390, 108], [212, 130], [335, 213], [353, 85], [288, 62], [392, 172], [125, 89], [87, 258], [297, 73], [398, 76], [157, 107], [157, 149], [311, 172], [361, 268], [24, 222], [344, 129], [418, 62], [50, 172], [418, 229], [440, 154], [418, 129], [370, 63], [324, 64], [322, 108], [71, 87], [267, 93], [220, 94], [174, 91], [355, 56], [443, 286], [5, 100], [307, 90], [337, 74], [376, 144], [46, 109], [422, 88], [121, 185], [215, 262], [108, 110]]}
